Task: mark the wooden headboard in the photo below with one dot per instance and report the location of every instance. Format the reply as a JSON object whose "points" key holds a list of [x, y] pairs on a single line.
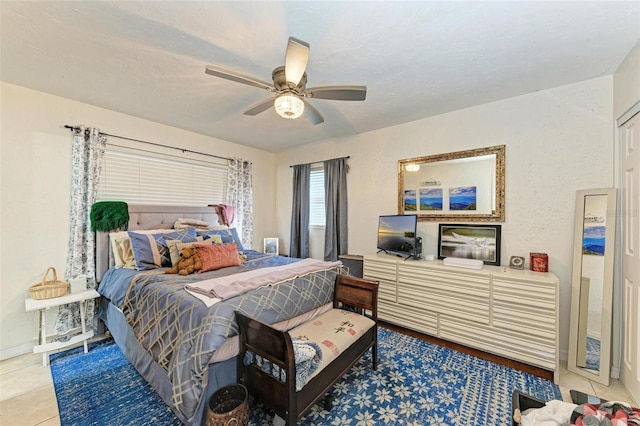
{"points": [[149, 217]]}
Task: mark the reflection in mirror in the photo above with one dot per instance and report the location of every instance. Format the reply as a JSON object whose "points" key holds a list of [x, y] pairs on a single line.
{"points": [[592, 284], [463, 185]]}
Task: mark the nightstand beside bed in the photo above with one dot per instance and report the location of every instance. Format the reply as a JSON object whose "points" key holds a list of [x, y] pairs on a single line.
{"points": [[43, 304]]}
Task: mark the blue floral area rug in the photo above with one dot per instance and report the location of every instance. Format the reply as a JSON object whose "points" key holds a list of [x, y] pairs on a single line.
{"points": [[417, 383], [420, 383]]}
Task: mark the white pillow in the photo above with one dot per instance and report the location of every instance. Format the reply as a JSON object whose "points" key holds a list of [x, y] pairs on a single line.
{"points": [[121, 249], [175, 246], [121, 246]]}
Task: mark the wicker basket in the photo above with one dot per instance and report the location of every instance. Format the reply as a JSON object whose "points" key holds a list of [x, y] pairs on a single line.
{"points": [[229, 406], [48, 289]]}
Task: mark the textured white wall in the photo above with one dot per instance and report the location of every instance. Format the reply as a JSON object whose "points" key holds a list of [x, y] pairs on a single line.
{"points": [[35, 182], [558, 141], [626, 83]]}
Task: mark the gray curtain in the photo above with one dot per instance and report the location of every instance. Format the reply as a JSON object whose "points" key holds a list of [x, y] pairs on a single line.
{"points": [[87, 155], [299, 242], [335, 189]]}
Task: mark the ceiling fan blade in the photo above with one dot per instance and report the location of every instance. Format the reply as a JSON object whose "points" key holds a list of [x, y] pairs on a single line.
{"points": [[237, 77], [295, 61], [312, 114], [338, 93], [261, 106]]}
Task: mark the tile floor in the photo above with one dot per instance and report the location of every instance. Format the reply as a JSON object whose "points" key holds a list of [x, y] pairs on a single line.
{"points": [[27, 397]]}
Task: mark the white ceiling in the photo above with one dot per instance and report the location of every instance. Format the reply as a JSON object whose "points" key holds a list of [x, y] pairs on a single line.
{"points": [[418, 59]]}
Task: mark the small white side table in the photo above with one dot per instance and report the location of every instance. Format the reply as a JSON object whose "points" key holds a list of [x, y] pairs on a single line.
{"points": [[42, 305]]}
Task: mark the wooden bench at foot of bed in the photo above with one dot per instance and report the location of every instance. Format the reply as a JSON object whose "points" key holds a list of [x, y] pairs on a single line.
{"points": [[357, 330]]}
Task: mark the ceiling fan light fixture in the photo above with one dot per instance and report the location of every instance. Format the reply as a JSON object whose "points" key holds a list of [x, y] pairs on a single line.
{"points": [[289, 106]]}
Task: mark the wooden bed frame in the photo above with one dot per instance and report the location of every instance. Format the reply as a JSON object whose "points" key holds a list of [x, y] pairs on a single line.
{"points": [[275, 346]]}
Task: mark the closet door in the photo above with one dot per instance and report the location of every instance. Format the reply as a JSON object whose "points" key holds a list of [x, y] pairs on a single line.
{"points": [[630, 253]]}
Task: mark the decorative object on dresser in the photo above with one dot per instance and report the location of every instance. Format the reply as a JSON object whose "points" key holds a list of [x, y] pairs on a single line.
{"points": [[507, 312], [539, 262], [481, 242], [516, 262]]}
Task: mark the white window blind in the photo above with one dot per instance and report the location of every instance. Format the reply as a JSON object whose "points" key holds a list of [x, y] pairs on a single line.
{"points": [[147, 179], [317, 211]]}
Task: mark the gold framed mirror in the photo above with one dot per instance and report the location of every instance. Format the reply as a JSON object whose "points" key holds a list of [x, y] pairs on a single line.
{"points": [[456, 186], [592, 284]]}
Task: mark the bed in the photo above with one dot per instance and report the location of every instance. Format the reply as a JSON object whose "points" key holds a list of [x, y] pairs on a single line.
{"points": [[179, 337]]}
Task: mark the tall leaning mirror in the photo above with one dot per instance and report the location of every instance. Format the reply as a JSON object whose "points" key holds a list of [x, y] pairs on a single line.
{"points": [[592, 284]]}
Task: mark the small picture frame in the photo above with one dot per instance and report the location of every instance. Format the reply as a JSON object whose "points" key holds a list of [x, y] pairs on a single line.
{"points": [[516, 262], [270, 246]]}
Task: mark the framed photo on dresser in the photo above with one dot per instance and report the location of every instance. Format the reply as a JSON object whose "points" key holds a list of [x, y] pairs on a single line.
{"points": [[470, 242]]}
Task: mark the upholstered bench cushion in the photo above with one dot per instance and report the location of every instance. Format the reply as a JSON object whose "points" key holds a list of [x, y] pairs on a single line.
{"points": [[333, 331]]}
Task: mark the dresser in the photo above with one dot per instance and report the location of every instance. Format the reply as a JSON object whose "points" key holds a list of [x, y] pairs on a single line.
{"points": [[507, 312]]}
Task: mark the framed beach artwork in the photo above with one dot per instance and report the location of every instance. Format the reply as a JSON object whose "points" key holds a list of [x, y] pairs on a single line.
{"points": [[271, 246], [470, 242]]}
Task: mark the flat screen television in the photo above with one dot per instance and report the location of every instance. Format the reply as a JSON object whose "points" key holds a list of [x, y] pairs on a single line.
{"points": [[397, 235]]}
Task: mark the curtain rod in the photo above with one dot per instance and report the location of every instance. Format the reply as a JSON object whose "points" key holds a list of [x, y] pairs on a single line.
{"points": [[348, 156], [153, 143]]}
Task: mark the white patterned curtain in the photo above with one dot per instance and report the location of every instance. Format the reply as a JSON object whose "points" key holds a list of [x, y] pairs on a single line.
{"points": [[87, 154], [240, 196]]}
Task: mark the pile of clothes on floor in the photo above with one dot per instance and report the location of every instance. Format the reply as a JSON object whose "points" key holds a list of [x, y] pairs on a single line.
{"points": [[560, 413]]}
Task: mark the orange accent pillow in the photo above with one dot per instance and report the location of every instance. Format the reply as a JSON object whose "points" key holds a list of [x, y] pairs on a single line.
{"points": [[218, 256]]}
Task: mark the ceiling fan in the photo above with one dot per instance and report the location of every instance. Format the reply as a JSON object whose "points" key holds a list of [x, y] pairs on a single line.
{"points": [[289, 85]]}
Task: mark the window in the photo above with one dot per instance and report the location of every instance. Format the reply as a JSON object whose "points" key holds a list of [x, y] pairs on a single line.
{"points": [[130, 176], [317, 213]]}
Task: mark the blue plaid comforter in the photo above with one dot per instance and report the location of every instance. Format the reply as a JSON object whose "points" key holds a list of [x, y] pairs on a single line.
{"points": [[182, 333]]}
